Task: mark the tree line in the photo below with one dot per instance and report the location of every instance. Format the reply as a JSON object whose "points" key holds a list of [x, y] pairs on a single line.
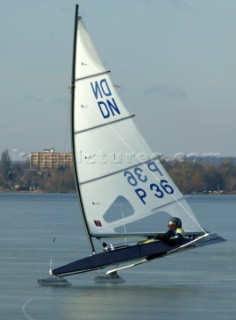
{"points": [[190, 177], [195, 177], [17, 176]]}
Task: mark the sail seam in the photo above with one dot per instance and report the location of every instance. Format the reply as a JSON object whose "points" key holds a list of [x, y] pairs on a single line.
{"points": [[104, 124], [92, 75], [118, 171]]}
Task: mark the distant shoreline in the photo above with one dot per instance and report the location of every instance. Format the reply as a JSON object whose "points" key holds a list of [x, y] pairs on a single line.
{"points": [[214, 193]]}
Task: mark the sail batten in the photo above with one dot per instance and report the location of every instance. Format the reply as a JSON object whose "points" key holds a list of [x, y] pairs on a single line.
{"points": [[119, 171], [105, 124], [92, 76]]}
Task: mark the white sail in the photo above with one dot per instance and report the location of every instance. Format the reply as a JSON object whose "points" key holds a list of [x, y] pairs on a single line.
{"points": [[122, 183]]}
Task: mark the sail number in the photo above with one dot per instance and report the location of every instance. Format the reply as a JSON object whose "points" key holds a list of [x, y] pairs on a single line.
{"points": [[137, 177], [105, 101]]}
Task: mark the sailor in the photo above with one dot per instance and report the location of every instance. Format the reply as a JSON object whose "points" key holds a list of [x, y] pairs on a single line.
{"points": [[175, 233]]}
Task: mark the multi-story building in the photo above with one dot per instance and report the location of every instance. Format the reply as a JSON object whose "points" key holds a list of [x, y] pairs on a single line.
{"points": [[49, 159]]}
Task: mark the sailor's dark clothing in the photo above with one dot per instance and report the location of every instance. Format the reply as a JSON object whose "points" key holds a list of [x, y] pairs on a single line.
{"points": [[171, 237]]}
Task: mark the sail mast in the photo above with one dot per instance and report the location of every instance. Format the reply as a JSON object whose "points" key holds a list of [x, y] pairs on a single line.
{"points": [[72, 126]]}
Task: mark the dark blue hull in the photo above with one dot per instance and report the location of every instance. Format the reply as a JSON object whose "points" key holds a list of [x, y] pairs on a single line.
{"points": [[119, 255]]}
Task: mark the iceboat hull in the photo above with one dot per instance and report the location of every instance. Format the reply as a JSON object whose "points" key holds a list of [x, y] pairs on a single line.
{"points": [[104, 259], [148, 251]]}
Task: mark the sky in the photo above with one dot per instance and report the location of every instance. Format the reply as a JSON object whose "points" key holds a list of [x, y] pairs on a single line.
{"points": [[174, 61]]}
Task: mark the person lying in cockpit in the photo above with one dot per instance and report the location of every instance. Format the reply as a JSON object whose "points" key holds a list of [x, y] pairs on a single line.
{"points": [[173, 236], [175, 233]]}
